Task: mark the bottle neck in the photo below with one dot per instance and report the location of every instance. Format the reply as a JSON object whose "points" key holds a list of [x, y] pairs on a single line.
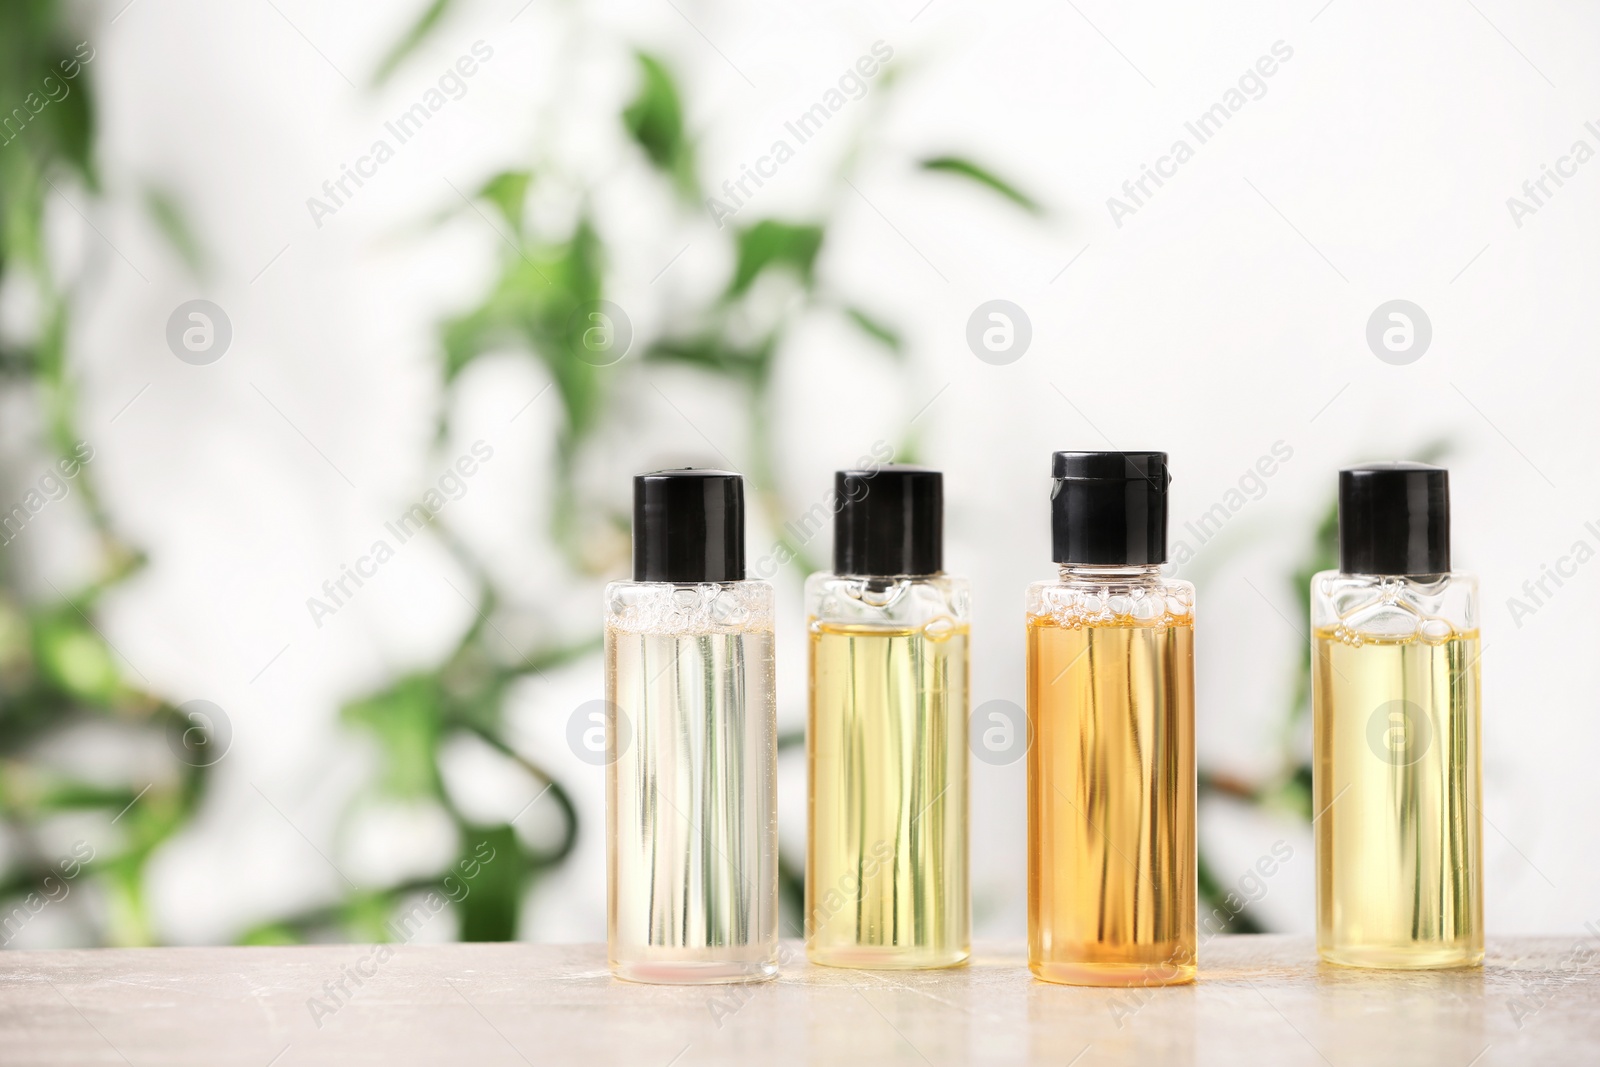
{"points": [[1084, 572]]}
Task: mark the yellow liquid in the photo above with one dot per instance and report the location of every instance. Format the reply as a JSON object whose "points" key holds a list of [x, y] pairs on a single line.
{"points": [[886, 870], [1111, 802], [1397, 785]]}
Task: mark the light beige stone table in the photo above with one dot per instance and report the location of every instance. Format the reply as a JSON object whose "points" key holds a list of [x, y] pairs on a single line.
{"points": [[1260, 1000]]}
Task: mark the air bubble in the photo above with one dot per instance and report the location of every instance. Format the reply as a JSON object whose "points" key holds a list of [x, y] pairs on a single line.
{"points": [[881, 598], [727, 610], [1436, 631]]}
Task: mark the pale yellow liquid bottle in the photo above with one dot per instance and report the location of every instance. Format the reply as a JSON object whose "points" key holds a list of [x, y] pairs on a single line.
{"points": [[1111, 777], [1398, 778], [886, 860]]}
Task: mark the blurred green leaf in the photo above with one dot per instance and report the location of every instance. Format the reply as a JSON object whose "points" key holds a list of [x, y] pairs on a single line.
{"points": [[17, 361], [791, 893], [1214, 898], [15, 640], [58, 794], [494, 893], [411, 40], [877, 329], [38, 48], [76, 659], [405, 720], [965, 168], [56, 669], [540, 305], [1297, 792], [55, 137], [272, 934], [367, 915], [508, 191], [713, 353], [69, 124], [770, 243], [655, 120], [174, 226]]}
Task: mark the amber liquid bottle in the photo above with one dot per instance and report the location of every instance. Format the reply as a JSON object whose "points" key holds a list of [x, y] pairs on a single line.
{"points": [[886, 859], [1398, 770], [1111, 779]]}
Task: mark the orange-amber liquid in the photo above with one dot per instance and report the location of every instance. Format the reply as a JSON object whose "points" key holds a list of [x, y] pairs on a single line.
{"points": [[1111, 801]]}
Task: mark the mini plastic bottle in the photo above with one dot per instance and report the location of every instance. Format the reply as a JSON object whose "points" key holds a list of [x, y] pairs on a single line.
{"points": [[1111, 780], [691, 742], [886, 870], [1398, 773]]}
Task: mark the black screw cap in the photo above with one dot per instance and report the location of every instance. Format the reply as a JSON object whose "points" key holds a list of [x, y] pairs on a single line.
{"points": [[688, 527], [890, 521], [1109, 508], [1394, 518]]}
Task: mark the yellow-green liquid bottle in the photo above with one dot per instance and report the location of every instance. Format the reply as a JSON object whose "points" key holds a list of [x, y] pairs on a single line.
{"points": [[1397, 782], [1111, 776], [886, 860]]}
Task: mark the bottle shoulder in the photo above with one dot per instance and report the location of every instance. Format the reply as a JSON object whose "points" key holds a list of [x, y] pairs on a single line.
{"points": [[1159, 583], [888, 601], [1149, 598], [671, 608], [1395, 606]]}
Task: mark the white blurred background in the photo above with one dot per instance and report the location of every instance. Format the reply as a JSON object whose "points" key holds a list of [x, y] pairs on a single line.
{"points": [[1227, 315]]}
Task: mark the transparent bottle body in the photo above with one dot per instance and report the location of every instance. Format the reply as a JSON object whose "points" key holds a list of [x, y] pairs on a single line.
{"points": [[692, 891], [1398, 770], [886, 864], [1111, 778]]}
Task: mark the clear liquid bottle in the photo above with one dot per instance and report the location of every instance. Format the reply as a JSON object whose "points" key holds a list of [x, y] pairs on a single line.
{"points": [[1398, 771], [1111, 778], [691, 743], [886, 865]]}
